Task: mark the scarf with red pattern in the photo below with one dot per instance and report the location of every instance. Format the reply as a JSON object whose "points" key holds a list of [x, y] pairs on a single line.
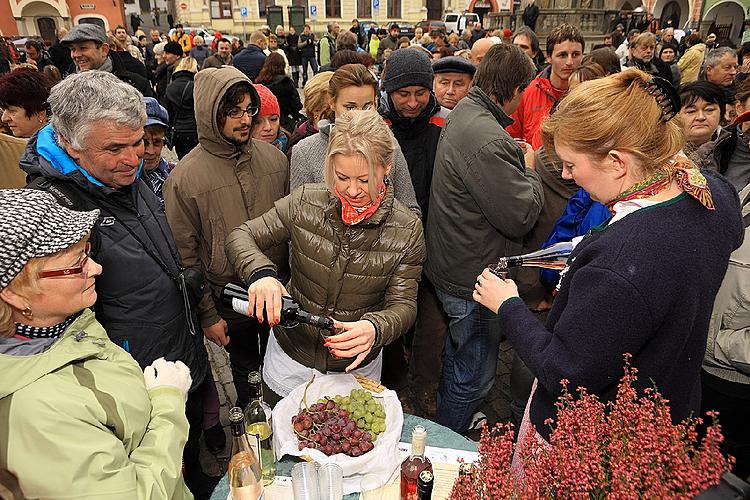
{"points": [[352, 215]]}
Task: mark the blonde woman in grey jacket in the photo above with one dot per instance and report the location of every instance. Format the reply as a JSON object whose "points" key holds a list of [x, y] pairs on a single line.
{"points": [[351, 87]]}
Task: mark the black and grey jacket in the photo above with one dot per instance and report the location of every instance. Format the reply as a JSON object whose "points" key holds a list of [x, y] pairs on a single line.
{"points": [[140, 302]]}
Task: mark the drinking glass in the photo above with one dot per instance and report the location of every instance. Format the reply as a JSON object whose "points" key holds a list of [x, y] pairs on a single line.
{"points": [[330, 481], [305, 481]]}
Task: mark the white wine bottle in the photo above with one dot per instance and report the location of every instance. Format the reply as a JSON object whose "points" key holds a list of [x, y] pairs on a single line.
{"points": [[259, 426], [244, 473], [553, 257]]}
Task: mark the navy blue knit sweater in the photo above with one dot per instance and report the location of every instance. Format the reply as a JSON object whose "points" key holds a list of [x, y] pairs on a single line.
{"points": [[644, 285]]}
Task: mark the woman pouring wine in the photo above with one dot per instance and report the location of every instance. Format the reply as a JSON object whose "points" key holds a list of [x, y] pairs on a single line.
{"points": [[356, 255], [643, 283]]}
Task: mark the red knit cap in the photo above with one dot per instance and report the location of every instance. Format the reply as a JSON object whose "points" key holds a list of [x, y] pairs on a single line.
{"points": [[269, 105]]}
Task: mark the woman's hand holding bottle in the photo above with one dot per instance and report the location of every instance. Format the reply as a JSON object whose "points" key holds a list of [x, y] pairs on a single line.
{"points": [[356, 339], [266, 293], [491, 291]]}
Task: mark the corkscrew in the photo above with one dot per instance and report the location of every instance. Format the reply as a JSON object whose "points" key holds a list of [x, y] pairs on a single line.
{"points": [[500, 269]]}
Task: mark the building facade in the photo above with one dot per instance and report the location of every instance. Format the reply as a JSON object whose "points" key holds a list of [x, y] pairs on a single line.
{"points": [[42, 18]]}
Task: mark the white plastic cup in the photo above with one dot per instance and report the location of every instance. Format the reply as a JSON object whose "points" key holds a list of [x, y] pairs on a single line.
{"points": [[330, 481], [305, 481]]}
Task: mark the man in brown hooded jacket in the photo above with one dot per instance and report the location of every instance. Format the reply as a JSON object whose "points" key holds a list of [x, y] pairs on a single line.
{"points": [[228, 179]]}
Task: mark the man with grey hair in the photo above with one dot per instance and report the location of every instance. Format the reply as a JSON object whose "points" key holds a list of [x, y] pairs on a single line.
{"points": [[720, 67], [90, 49], [328, 43], [91, 157]]}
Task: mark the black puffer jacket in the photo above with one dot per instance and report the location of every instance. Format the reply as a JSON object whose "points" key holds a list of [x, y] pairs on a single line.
{"points": [[178, 99], [289, 102], [418, 138], [139, 301]]}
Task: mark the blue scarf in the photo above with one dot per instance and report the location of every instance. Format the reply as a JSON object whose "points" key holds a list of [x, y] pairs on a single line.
{"points": [[47, 147]]}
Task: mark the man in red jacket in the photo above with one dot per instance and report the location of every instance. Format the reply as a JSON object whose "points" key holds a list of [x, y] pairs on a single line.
{"points": [[565, 46]]}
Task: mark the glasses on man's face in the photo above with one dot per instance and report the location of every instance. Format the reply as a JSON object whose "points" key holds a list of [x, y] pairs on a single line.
{"points": [[70, 271], [159, 143], [237, 113]]}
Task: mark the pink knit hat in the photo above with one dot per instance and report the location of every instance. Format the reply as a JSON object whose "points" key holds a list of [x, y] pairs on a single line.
{"points": [[269, 105]]}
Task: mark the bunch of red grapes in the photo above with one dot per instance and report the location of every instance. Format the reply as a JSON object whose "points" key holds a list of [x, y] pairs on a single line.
{"points": [[329, 428]]}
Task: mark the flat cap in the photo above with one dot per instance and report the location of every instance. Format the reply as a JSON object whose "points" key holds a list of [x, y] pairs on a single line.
{"points": [[85, 33], [35, 225], [453, 64]]}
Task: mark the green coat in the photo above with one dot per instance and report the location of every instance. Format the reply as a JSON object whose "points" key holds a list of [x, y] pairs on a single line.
{"points": [[78, 422], [368, 271]]}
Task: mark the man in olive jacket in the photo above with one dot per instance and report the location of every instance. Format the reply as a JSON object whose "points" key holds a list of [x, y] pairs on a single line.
{"points": [[483, 201], [228, 179]]}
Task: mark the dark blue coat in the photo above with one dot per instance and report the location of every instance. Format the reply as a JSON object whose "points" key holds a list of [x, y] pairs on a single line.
{"points": [[644, 285], [250, 60]]}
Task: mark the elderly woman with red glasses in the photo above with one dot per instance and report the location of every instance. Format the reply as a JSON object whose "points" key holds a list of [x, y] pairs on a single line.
{"points": [[71, 401]]}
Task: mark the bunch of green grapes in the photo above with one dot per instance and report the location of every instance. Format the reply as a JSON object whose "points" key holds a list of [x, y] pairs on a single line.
{"points": [[365, 410]]}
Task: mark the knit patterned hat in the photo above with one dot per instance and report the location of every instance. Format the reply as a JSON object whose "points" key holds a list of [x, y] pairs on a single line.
{"points": [[407, 67], [35, 225], [269, 105]]}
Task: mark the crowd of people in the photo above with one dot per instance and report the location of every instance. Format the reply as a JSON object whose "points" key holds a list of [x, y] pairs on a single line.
{"points": [[378, 199]]}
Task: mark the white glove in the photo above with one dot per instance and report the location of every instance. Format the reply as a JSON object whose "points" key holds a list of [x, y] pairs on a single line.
{"points": [[167, 373]]}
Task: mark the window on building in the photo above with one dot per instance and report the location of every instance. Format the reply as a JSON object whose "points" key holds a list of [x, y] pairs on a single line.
{"points": [[394, 9], [221, 9], [333, 8], [262, 4], [364, 9], [301, 3]]}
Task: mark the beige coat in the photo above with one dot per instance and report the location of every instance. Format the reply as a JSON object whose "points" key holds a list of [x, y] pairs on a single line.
{"points": [[219, 186], [11, 148]]}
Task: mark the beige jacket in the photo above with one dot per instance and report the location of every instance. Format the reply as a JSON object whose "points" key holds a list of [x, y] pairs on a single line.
{"points": [[11, 148], [691, 61], [728, 346], [219, 186]]}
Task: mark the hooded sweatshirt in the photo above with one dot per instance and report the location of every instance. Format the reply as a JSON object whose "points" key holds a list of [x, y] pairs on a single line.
{"points": [[308, 155], [220, 185], [79, 423]]}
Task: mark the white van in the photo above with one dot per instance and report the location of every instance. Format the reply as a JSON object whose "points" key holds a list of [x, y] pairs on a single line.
{"points": [[455, 23]]}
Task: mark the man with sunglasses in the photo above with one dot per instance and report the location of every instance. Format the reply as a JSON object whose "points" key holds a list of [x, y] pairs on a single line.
{"points": [[228, 179]]}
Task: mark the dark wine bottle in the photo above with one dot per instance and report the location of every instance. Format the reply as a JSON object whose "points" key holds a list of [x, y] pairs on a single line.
{"points": [[292, 314]]}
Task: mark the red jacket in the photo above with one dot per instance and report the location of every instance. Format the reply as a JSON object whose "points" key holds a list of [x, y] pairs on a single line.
{"points": [[536, 102]]}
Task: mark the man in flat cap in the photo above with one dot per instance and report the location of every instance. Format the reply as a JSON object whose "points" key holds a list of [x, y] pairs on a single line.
{"points": [[90, 51], [452, 79]]}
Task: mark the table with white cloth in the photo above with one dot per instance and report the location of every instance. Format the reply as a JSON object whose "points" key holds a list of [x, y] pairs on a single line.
{"points": [[444, 448]]}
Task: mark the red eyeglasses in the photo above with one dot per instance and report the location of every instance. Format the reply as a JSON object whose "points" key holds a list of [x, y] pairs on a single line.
{"points": [[70, 271]]}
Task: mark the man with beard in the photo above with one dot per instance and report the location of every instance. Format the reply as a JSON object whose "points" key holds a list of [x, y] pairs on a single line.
{"points": [[565, 46], [228, 179]]}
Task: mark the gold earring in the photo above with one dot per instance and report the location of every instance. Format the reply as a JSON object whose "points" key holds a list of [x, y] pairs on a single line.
{"points": [[27, 313]]}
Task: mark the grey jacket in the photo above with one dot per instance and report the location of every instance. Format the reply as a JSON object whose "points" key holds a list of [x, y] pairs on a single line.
{"points": [[728, 345], [483, 200], [308, 158]]}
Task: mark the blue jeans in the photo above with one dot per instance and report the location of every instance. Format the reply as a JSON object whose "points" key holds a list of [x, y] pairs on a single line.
{"points": [[308, 62], [469, 360]]}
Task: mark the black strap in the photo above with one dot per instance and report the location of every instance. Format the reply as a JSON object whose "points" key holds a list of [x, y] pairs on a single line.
{"points": [[173, 119]]}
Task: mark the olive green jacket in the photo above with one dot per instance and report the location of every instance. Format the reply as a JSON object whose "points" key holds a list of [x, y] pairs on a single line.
{"points": [[366, 271]]}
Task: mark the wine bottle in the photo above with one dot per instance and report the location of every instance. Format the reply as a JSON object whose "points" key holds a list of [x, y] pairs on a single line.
{"points": [[553, 257], [292, 314], [243, 472], [414, 464], [259, 426], [424, 485]]}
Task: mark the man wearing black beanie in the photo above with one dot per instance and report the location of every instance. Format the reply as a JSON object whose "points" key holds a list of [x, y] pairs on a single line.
{"points": [[416, 119]]}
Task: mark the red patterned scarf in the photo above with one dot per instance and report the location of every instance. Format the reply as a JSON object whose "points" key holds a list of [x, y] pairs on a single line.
{"points": [[688, 178], [352, 215]]}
